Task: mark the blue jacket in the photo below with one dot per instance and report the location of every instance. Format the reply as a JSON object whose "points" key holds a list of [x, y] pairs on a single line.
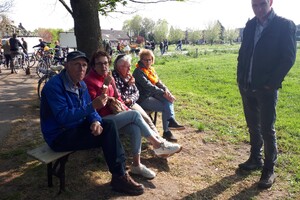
{"points": [[62, 109], [274, 54]]}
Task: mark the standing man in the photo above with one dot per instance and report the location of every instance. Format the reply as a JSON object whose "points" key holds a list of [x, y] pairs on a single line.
{"points": [[267, 53], [15, 45], [69, 122], [24, 43]]}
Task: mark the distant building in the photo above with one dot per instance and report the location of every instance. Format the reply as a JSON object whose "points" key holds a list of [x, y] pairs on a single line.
{"points": [[68, 39], [115, 36]]}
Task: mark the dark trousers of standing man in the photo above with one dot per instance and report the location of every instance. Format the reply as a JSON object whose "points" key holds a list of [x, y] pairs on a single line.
{"points": [[260, 113], [81, 138]]}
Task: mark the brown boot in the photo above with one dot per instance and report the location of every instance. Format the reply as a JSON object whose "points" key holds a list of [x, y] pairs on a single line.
{"points": [[125, 184]]}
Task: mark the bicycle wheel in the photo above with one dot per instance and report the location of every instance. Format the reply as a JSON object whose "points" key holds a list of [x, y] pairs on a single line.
{"points": [[16, 64], [30, 61], [41, 84], [41, 69]]}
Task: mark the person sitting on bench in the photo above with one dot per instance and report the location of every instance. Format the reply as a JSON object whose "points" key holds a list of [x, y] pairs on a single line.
{"points": [[127, 88], [154, 95], [69, 122]]}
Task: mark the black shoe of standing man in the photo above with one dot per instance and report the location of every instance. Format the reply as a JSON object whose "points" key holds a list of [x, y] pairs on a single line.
{"points": [[251, 164], [267, 179]]}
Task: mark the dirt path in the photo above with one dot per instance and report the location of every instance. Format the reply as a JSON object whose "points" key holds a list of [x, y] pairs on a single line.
{"points": [[15, 93]]}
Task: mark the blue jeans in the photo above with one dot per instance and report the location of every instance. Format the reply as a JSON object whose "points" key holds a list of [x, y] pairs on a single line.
{"points": [[260, 113], [160, 104], [131, 122], [81, 138]]}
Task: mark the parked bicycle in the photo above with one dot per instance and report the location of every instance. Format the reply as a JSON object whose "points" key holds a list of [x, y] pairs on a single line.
{"points": [[44, 63], [29, 60], [17, 63], [47, 74]]}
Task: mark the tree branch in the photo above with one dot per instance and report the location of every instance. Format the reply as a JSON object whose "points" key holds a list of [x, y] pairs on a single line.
{"points": [[157, 1], [66, 6]]}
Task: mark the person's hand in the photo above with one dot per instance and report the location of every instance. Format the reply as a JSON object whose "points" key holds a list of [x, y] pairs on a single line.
{"points": [[169, 96], [100, 101], [131, 80], [96, 128], [108, 79], [128, 102]]}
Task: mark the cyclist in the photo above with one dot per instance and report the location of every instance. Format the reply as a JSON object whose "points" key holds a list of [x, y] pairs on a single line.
{"points": [[15, 45], [42, 44], [58, 57]]}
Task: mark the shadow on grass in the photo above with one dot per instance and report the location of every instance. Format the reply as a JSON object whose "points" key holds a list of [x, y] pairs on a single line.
{"points": [[225, 183]]}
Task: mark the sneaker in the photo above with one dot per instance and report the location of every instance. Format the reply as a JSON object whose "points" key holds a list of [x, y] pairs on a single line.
{"points": [[167, 149], [143, 171], [125, 184], [251, 164], [173, 125], [169, 136], [267, 179]]}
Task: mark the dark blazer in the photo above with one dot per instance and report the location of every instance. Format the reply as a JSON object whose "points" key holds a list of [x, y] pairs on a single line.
{"points": [[274, 55]]}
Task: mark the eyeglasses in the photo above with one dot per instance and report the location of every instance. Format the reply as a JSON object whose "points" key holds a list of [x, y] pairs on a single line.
{"points": [[147, 60], [101, 64]]}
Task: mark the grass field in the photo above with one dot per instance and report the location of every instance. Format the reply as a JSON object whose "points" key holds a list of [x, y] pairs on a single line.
{"points": [[208, 99]]}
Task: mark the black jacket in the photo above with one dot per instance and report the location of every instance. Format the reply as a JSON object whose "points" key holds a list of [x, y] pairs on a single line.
{"points": [[274, 54]]}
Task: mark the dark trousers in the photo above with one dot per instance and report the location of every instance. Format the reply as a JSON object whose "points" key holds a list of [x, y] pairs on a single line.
{"points": [[81, 138], [260, 113]]}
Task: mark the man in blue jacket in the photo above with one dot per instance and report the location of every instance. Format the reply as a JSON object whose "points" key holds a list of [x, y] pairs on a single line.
{"points": [[69, 121], [267, 53]]}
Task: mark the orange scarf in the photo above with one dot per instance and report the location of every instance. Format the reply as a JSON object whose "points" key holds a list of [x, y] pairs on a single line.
{"points": [[150, 73]]}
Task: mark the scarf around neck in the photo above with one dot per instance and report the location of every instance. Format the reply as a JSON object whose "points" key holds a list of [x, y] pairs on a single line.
{"points": [[150, 72]]}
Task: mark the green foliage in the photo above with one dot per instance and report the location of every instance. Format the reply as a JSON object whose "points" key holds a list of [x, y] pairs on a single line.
{"points": [[161, 30], [107, 6], [175, 35], [195, 36], [55, 35], [212, 32]]}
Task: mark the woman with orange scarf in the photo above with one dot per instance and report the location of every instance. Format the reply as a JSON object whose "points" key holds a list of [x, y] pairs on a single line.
{"points": [[154, 95]]}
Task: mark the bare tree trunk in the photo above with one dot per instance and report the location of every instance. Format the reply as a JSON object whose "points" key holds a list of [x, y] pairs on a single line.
{"points": [[86, 25]]}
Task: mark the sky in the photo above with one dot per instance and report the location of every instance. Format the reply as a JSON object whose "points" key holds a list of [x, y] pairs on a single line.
{"points": [[194, 14]]}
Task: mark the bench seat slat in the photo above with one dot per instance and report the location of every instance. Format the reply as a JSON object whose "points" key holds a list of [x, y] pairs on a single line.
{"points": [[45, 154]]}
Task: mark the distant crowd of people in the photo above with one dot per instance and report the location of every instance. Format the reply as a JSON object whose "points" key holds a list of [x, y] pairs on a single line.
{"points": [[13, 47]]}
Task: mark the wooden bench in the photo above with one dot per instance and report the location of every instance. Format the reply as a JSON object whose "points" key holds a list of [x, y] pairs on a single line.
{"points": [[47, 156], [153, 118]]}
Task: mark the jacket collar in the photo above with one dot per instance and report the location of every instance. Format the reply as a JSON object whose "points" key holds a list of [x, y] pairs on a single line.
{"points": [[68, 83]]}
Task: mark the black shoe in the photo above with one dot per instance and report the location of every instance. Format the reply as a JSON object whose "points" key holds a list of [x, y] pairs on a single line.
{"points": [[125, 184], [173, 125], [169, 136], [251, 164], [267, 179]]}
